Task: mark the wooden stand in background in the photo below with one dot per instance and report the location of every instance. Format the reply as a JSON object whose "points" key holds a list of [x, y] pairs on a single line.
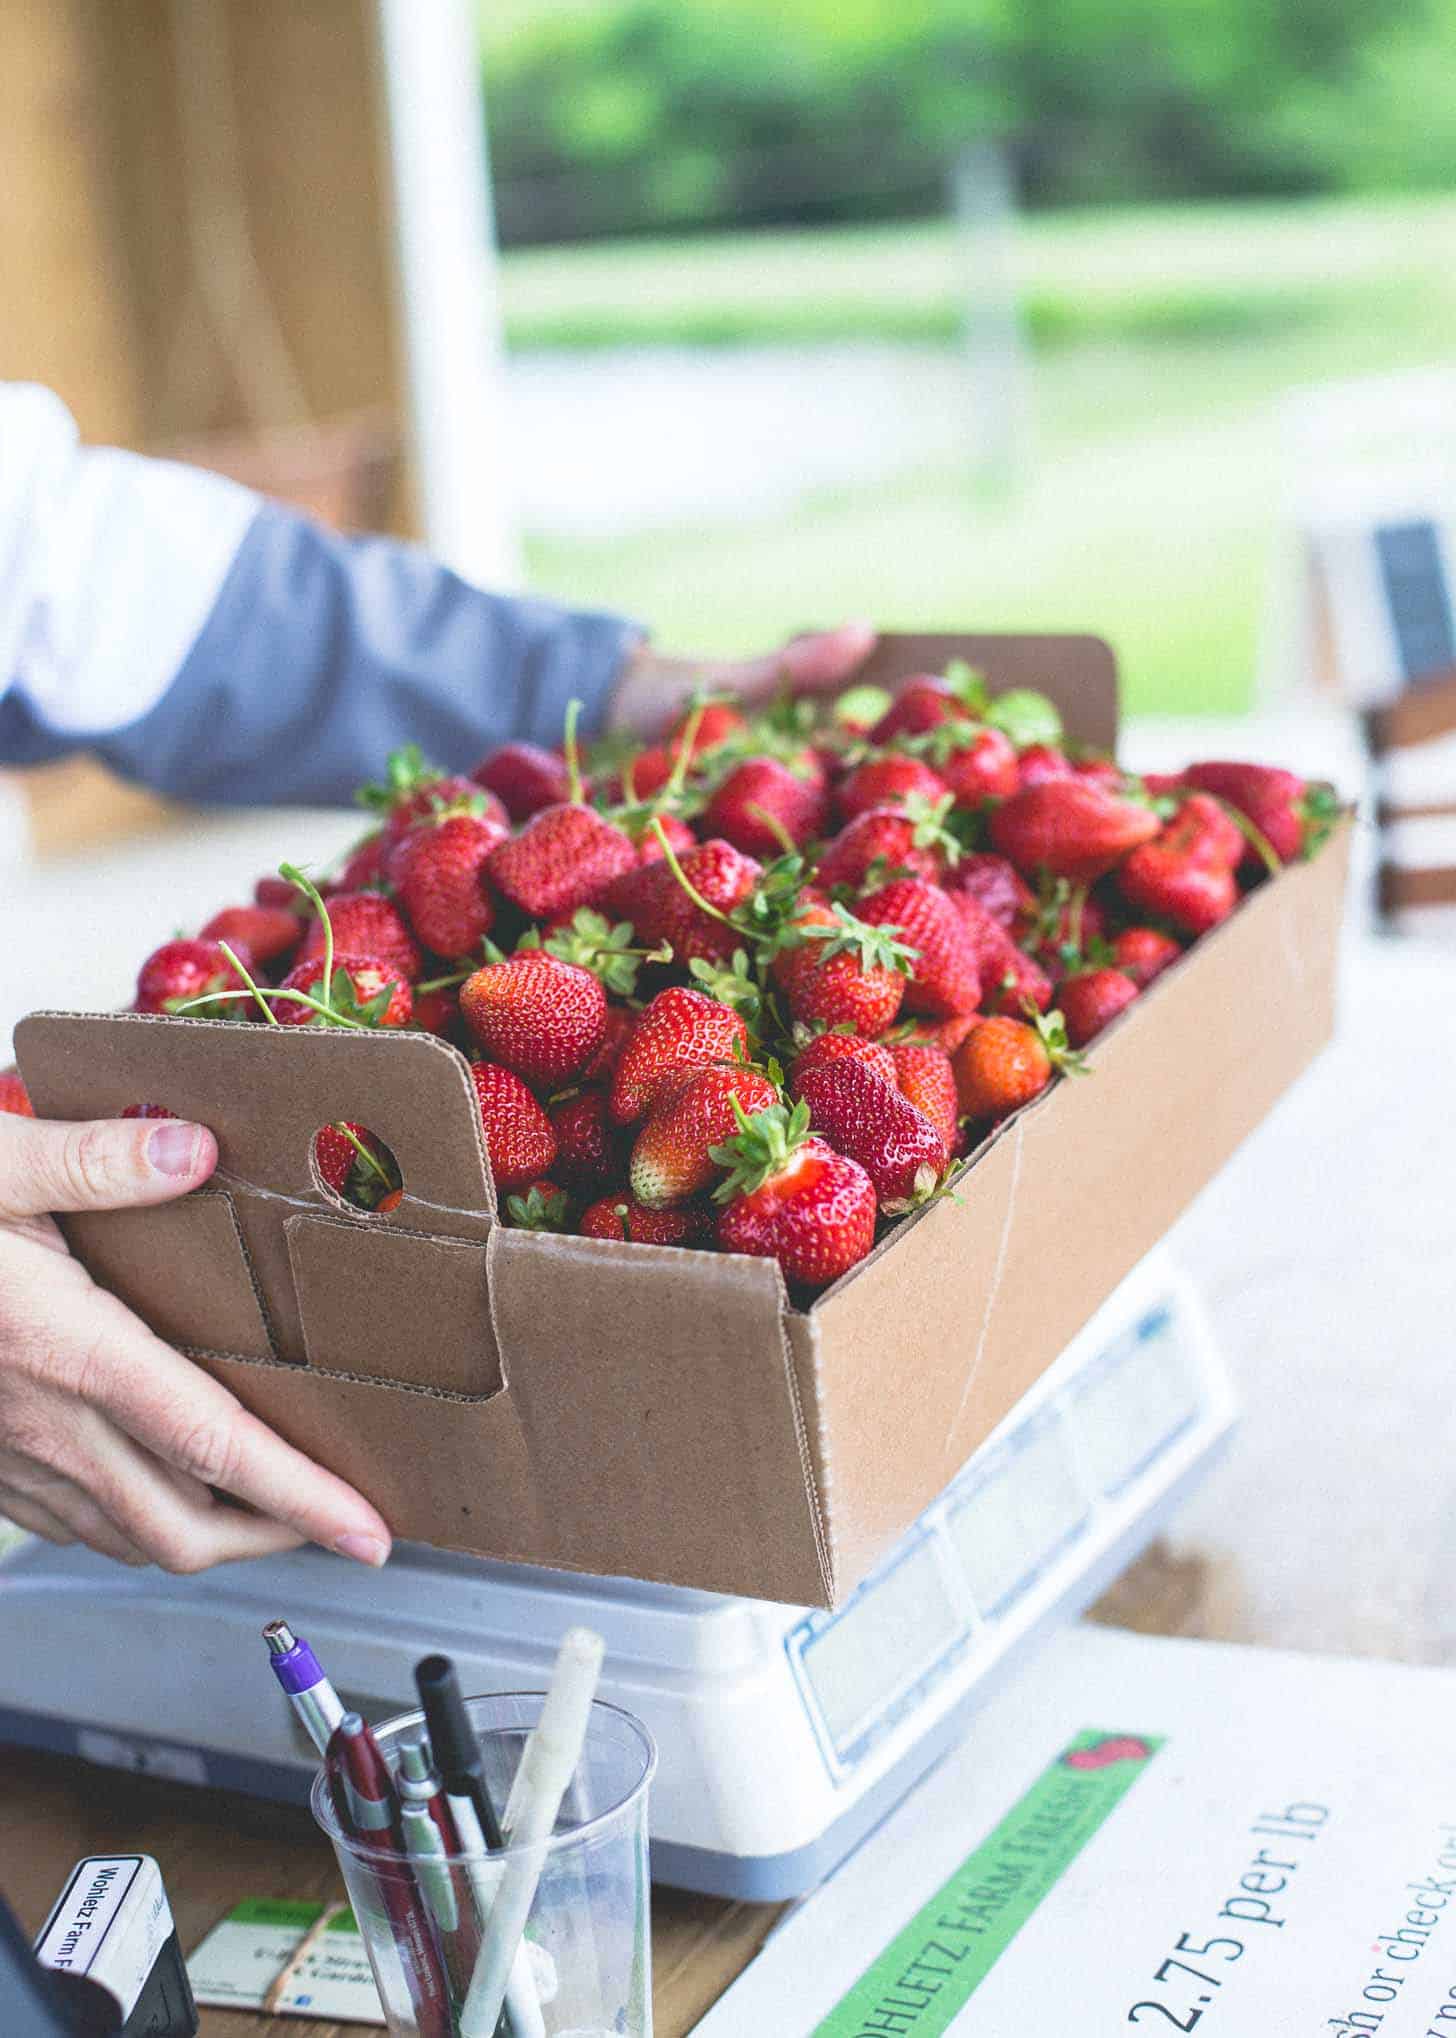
{"points": [[196, 254]]}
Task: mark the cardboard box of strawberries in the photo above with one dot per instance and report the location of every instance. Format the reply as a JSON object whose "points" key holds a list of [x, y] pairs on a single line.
{"points": [[675, 1163]]}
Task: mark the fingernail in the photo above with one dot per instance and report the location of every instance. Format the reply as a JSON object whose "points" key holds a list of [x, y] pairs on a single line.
{"points": [[172, 1149], [363, 1549]]}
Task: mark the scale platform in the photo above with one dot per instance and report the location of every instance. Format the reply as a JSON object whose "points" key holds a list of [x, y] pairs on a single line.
{"points": [[784, 1733]]}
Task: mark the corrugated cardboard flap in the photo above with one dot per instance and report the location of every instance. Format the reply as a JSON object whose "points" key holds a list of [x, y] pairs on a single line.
{"points": [[926, 1347]]}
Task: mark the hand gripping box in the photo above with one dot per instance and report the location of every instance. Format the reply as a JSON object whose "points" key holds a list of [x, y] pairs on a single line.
{"points": [[655, 1412]]}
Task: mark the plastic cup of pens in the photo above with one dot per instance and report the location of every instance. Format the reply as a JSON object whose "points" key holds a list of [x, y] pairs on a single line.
{"points": [[543, 1936]]}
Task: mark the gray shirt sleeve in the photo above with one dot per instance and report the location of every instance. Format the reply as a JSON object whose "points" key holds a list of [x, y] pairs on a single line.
{"points": [[322, 653]]}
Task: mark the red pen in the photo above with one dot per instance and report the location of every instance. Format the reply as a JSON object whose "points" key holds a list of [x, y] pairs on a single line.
{"points": [[363, 1793]]}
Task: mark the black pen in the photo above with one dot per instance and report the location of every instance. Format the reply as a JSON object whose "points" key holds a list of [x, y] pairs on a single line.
{"points": [[457, 1757]]}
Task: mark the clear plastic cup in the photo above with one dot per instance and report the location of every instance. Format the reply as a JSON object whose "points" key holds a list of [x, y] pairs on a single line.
{"points": [[586, 1967]]}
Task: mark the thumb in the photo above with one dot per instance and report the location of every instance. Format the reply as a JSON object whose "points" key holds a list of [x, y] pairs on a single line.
{"points": [[103, 1164], [816, 663]]}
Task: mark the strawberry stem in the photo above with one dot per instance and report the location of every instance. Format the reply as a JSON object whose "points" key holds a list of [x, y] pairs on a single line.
{"points": [[311, 892], [1254, 835], [293, 997], [670, 855], [253, 990], [369, 1159], [573, 753], [774, 826], [686, 739]]}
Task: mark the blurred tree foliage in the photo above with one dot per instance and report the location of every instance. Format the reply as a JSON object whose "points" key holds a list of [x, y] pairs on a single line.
{"points": [[612, 116]]}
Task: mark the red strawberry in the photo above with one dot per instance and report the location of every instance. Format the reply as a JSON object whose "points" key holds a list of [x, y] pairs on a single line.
{"points": [[438, 869], [1012, 978], [712, 723], [362, 991], [148, 1111], [524, 778], [874, 1123], [619, 1030], [1070, 828], [1209, 825], [792, 1198], [543, 1206], [519, 1138], [996, 883], [1291, 814], [888, 782], [977, 763], [680, 836], [416, 791], [922, 703], [1143, 953], [826, 1048], [561, 859], [622, 1217], [276, 891], [796, 807], [262, 933], [1183, 875], [1065, 922], [1103, 771], [1006, 1062], [837, 970], [1041, 762], [181, 970], [661, 909], [537, 1015], [681, 1030], [945, 978], [586, 1156], [1091, 1000], [438, 1011], [946, 1034], [642, 777], [364, 923], [357, 1167], [14, 1101], [924, 1075], [364, 870], [900, 841], [671, 1157]]}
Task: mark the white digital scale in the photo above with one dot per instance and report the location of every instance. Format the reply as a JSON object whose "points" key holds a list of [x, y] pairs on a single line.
{"points": [[784, 1733]]}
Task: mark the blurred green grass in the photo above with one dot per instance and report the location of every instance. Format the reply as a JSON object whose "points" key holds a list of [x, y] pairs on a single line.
{"points": [[1162, 341]]}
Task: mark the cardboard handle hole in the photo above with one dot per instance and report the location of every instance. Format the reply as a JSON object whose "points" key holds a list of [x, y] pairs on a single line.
{"points": [[355, 1170]]}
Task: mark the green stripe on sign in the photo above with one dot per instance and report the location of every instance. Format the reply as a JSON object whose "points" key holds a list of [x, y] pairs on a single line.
{"points": [[926, 1976]]}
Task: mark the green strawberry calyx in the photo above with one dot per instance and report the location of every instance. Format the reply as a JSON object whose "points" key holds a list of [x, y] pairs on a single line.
{"points": [[406, 772], [761, 1149], [1051, 1029], [539, 1209], [731, 983], [873, 947], [594, 943], [1318, 809], [1025, 717]]}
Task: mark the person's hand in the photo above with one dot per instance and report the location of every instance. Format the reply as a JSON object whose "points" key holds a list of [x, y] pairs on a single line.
{"points": [[655, 686], [107, 1436]]}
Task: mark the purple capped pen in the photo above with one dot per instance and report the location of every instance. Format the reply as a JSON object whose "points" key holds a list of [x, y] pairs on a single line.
{"points": [[304, 1684]]}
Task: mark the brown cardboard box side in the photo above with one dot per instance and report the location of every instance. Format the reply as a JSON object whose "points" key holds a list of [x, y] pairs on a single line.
{"points": [[663, 1413]]}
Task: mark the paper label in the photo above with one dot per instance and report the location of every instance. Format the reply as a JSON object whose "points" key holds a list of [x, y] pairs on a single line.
{"points": [[111, 1922], [241, 1958], [1284, 1868], [930, 1971]]}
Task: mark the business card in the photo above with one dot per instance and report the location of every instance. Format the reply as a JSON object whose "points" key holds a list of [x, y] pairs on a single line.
{"points": [[242, 1957]]}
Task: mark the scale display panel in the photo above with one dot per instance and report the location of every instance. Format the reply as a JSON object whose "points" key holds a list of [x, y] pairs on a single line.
{"points": [[1028, 1506], [899, 1628], [1141, 1395]]}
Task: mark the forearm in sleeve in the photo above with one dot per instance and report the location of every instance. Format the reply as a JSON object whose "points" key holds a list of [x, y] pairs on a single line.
{"points": [[295, 658]]}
